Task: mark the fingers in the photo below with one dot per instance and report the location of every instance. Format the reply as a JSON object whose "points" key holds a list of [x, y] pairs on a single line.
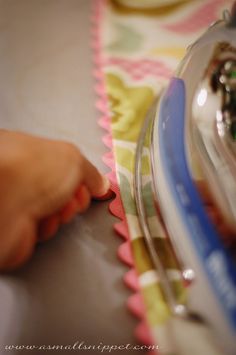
{"points": [[91, 184], [48, 227], [97, 184], [57, 181], [77, 204], [82, 197]]}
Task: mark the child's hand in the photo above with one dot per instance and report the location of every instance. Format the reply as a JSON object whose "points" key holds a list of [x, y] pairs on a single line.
{"points": [[43, 183]]}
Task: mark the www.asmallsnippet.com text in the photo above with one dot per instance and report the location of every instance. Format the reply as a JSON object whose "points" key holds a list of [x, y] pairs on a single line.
{"points": [[78, 346]]}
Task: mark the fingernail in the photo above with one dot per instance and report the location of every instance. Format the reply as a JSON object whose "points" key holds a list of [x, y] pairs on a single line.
{"points": [[105, 187], [107, 196], [106, 191]]}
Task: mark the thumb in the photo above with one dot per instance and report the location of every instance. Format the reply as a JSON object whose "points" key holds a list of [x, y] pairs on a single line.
{"points": [[97, 184]]}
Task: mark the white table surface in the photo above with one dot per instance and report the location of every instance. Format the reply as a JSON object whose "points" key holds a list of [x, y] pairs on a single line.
{"points": [[72, 288]]}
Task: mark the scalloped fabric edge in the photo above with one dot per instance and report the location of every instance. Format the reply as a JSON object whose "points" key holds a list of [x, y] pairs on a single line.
{"points": [[135, 303]]}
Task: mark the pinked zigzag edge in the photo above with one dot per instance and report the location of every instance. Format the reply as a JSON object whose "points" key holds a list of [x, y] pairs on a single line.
{"points": [[135, 302]]}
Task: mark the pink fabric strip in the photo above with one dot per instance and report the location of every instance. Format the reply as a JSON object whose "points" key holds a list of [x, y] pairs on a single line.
{"points": [[134, 303]]}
